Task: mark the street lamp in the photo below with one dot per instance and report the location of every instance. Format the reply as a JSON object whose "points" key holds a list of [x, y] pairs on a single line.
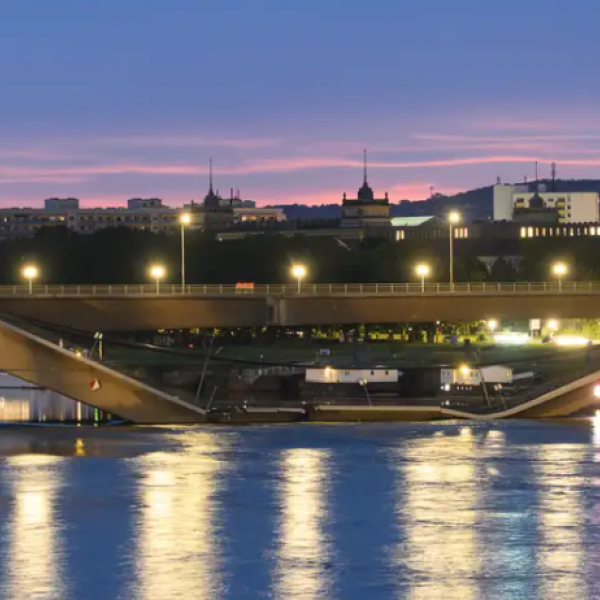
{"points": [[552, 325], [30, 272], [560, 270], [453, 219], [299, 272], [158, 272], [184, 219], [492, 325], [422, 270]]}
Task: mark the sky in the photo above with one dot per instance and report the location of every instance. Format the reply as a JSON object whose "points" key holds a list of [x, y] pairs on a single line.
{"points": [[114, 99]]}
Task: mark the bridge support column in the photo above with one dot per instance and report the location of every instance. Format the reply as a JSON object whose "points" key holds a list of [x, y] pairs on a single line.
{"points": [[275, 310]]}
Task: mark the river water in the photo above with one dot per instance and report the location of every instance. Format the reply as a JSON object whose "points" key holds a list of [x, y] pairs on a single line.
{"points": [[461, 511]]}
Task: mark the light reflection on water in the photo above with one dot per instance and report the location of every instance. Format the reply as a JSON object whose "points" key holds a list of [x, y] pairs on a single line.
{"points": [[452, 511], [562, 523], [301, 572], [178, 553], [34, 539], [438, 528]]}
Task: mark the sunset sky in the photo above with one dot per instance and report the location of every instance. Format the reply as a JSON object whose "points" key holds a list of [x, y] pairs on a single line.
{"points": [[112, 99]]}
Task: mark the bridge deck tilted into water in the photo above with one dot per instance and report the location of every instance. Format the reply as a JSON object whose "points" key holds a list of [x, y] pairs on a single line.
{"points": [[559, 398], [43, 363]]}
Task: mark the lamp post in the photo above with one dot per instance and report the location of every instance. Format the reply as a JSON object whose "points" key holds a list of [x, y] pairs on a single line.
{"points": [[184, 220], [299, 272], [157, 272], [30, 272], [560, 270], [422, 270], [492, 325], [453, 219]]}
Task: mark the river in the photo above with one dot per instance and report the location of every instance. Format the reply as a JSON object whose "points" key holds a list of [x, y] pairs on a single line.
{"points": [[465, 511]]}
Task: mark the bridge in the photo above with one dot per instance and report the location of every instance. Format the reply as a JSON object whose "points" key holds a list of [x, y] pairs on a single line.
{"points": [[560, 398], [47, 365], [149, 307]]}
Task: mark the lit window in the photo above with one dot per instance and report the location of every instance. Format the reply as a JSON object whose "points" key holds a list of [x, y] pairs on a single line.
{"points": [[543, 232], [592, 231], [530, 232], [523, 232]]}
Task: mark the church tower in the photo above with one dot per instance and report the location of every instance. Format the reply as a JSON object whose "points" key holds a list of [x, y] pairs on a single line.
{"points": [[365, 210]]}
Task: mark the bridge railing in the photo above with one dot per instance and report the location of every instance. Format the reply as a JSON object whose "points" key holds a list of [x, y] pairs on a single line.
{"points": [[307, 289]]}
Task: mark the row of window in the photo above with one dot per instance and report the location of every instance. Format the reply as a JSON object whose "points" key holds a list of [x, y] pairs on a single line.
{"points": [[435, 234], [531, 232], [545, 199]]}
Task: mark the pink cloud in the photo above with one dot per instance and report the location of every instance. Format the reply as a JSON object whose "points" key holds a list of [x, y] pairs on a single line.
{"points": [[260, 166], [192, 141], [444, 137], [531, 125]]}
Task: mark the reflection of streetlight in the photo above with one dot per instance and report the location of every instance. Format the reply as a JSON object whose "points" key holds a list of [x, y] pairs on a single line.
{"points": [[560, 270], [552, 325], [422, 270], [299, 272], [30, 272], [492, 324], [158, 272], [453, 219], [184, 219]]}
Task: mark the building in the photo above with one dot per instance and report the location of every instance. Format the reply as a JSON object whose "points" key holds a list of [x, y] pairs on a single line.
{"points": [[540, 206], [425, 228], [142, 214], [243, 214], [365, 210], [466, 379]]}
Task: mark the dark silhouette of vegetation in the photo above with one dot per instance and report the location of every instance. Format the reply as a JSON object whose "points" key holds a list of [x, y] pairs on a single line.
{"points": [[124, 256]]}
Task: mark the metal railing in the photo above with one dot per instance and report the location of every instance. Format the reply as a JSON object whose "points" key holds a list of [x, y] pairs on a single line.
{"points": [[308, 289]]}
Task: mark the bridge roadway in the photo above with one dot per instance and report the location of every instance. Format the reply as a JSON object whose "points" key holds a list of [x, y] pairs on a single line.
{"points": [[142, 307]]}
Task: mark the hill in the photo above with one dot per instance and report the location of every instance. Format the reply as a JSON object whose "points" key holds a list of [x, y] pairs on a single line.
{"points": [[474, 204]]}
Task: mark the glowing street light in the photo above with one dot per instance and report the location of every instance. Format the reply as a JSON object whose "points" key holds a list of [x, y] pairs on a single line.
{"points": [[453, 219], [184, 219], [559, 269], [157, 272], [299, 272], [30, 272], [492, 324], [422, 270], [552, 324]]}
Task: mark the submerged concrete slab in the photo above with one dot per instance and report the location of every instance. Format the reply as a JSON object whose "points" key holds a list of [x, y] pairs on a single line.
{"points": [[38, 361], [360, 414]]}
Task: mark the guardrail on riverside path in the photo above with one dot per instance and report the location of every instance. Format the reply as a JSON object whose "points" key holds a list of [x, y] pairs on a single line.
{"points": [[307, 289]]}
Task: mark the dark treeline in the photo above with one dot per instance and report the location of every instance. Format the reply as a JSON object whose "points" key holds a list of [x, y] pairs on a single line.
{"points": [[124, 256]]}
